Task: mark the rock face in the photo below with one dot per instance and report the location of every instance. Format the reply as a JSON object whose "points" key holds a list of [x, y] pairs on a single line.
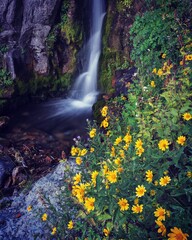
{"points": [[25, 26], [116, 39]]}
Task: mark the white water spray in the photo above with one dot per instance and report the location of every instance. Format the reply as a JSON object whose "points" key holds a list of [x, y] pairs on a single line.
{"points": [[84, 91]]}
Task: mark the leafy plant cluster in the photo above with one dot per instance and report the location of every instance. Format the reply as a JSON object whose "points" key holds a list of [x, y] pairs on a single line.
{"points": [[162, 30], [121, 5], [5, 79], [133, 176]]}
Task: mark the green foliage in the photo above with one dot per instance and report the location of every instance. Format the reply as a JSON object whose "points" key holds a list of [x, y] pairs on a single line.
{"points": [[41, 84], [121, 5], [68, 27], [3, 48], [159, 31], [151, 33], [5, 79]]}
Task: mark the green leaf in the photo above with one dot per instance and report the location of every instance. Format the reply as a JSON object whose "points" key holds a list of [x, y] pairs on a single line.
{"points": [[104, 217]]}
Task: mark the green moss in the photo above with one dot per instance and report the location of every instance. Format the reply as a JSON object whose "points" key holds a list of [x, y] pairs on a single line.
{"points": [[40, 84], [111, 59], [121, 5]]}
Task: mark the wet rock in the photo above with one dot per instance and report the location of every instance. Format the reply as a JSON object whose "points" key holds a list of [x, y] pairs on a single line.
{"points": [[6, 167]]}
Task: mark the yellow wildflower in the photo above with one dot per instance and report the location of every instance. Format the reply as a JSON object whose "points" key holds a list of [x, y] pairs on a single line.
{"points": [[164, 180], [74, 151], [79, 191], [154, 70], [92, 133], [188, 57], [94, 177], [104, 123], [29, 208], [177, 234], [153, 84], [187, 116], [44, 217], [127, 138], [136, 201], [70, 225], [107, 185], [162, 229], [117, 161], [168, 213], [181, 140], [83, 152], [118, 140], [104, 111], [120, 170], [77, 178], [123, 204], [181, 63], [105, 169], [160, 72], [137, 208], [89, 204], [163, 55], [149, 176], [54, 230], [92, 149], [122, 153], [163, 144], [189, 174], [160, 214], [138, 143], [140, 191], [108, 133], [113, 152], [112, 176], [140, 151], [126, 146], [106, 232], [78, 160]]}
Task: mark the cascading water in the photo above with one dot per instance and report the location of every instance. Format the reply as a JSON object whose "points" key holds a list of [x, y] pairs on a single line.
{"points": [[84, 92], [85, 87]]}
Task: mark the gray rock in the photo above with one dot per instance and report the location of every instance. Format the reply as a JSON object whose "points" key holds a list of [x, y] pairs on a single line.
{"points": [[29, 224], [25, 24]]}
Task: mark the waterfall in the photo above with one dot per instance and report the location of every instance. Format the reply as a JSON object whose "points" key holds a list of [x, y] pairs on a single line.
{"points": [[85, 87], [70, 113]]}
